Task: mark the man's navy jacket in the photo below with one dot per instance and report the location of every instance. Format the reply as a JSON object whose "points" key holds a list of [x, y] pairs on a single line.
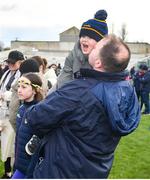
{"points": [[83, 122]]}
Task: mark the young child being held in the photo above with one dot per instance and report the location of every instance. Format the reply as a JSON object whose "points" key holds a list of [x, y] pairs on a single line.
{"points": [[91, 32], [30, 93]]}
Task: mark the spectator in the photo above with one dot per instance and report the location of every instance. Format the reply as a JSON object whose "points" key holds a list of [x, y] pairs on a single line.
{"points": [[136, 82], [53, 66], [132, 72], [45, 64], [42, 68], [83, 121], [27, 66], [145, 81], [58, 69], [50, 75], [9, 78], [29, 91]]}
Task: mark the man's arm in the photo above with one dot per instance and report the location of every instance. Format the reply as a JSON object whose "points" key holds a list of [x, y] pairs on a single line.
{"points": [[49, 114]]}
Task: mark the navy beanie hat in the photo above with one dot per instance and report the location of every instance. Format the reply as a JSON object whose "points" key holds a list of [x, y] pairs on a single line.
{"points": [[29, 65], [95, 28]]}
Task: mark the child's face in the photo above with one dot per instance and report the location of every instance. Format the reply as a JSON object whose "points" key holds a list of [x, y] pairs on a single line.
{"points": [[25, 90], [87, 44]]}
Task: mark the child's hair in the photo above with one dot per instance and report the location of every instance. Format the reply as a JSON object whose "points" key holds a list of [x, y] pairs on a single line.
{"points": [[36, 84], [52, 65], [45, 62], [40, 61]]}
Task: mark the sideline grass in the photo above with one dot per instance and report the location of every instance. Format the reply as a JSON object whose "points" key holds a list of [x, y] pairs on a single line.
{"points": [[132, 157], [1, 168]]}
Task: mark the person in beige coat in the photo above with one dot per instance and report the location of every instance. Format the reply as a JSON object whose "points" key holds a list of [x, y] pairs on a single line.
{"points": [[8, 79]]}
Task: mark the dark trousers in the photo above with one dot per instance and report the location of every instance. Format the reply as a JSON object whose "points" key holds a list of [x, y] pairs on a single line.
{"points": [[7, 165], [138, 93], [145, 101]]}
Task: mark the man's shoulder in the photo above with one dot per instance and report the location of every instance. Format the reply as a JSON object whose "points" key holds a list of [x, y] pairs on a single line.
{"points": [[79, 84], [76, 89], [112, 88]]}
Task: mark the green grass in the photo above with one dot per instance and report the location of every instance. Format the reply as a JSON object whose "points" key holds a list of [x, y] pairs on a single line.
{"points": [[132, 157], [1, 168]]}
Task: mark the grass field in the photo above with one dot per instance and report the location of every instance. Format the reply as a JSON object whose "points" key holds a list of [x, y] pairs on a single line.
{"points": [[132, 157]]}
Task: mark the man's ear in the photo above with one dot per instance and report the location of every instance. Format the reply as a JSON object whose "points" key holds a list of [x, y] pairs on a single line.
{"points": [[98, 64]]}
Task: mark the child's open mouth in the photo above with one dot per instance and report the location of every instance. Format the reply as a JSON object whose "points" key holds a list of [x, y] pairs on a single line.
{"points": [[85, 46]]}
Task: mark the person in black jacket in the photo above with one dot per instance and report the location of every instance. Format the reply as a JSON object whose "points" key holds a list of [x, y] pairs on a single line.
{"points": [[145, 81], [137, 83]]}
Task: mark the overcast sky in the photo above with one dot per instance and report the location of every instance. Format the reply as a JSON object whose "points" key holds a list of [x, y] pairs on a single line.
{"points": [[45, 19]]}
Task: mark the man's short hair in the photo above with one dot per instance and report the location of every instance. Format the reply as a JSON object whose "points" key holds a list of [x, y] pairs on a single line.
{"points": [[115, 54]]}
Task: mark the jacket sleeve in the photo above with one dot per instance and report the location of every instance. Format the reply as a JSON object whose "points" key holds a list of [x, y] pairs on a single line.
{"points": [[13, 107], [66, 74], [49, 114]]}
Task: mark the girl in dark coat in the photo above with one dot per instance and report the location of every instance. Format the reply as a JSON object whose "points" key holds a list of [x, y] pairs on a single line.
{"points": [[29, 91]]}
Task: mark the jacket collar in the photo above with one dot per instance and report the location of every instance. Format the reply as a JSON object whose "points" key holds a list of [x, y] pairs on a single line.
{"points": [[105, 76]]}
